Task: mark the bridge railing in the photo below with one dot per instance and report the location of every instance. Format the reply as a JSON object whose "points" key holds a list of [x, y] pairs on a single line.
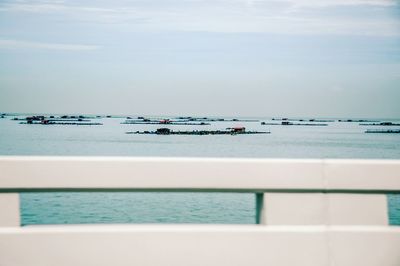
{"points": [[311, 212]]}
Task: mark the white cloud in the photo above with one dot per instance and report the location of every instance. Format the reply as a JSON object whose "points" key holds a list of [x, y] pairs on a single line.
{"points": [[15, 44], [329, 3], [272, 16]]}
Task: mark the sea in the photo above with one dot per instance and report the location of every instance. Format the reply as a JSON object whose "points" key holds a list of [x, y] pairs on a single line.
{"points": [[336, 140]]}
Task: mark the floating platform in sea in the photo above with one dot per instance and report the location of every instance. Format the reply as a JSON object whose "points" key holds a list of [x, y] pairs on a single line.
{"points": [[189, 120], [140, 122], [304, 120], [357, 120], [209, 119], [388, 131], [380, 124], [66, 118], [167, 131], [61, 123], [287, 123]]}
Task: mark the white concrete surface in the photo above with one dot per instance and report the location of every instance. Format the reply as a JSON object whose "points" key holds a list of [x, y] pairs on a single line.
{"points": [[313, 213], [295, 209], [186, 245], [357, 209], [324, 209], [9, 209], [205, 173], [366, 174], [371, 247], [159, 173]]}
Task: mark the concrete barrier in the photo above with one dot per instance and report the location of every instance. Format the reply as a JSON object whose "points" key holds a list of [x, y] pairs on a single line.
{"points": [[310, 212]]}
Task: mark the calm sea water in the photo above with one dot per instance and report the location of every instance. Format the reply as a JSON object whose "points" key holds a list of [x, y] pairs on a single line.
{"points": [[338, 140]]}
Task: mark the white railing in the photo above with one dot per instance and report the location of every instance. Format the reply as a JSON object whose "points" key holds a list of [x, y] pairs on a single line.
{"points": [[310, 212]]}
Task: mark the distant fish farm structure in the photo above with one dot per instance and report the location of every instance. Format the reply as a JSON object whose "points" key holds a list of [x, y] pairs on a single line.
{"points": [[207, 119], [380, 124], [287, 123], [304, 120], [387, 131], [54, 118], [46, 122], [64, 120], [357, 120], [162, 122], [191, 121], [229, 131]]}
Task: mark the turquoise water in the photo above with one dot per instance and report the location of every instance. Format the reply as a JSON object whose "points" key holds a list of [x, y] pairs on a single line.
{"points": [[338, 140], [394, 209], [138, 207]]}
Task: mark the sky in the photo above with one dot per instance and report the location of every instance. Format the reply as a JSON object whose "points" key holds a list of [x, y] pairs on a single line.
{"points": [[264, 58]]}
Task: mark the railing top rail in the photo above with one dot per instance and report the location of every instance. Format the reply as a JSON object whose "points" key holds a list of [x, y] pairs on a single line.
{"points": [[35, 173]]}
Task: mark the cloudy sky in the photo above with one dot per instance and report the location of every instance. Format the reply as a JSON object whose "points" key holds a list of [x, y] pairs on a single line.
{"points": [[319, 58]]}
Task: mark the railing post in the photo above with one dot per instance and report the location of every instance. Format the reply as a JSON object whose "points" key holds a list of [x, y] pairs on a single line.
{"points": [[358, 209], [9, 210], [259, 208], [324, 209]]}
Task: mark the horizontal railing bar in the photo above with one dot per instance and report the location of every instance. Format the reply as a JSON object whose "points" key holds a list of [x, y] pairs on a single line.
{"points": [[186, 227], [185, 245], [37, 174], [189, 190]]}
